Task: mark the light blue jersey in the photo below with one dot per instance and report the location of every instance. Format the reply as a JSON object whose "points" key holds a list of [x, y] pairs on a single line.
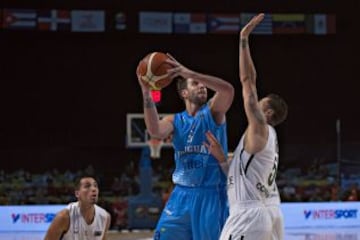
{"points": [[195, 166], [197, 207]]}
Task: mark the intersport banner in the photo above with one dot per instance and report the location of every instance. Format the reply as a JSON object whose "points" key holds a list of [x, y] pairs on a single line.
{"points": [[321, 214], [27, 217]]}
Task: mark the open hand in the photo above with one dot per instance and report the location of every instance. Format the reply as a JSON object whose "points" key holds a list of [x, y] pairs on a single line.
{"points": [[249, 27], [178, 69], [214, 147]]}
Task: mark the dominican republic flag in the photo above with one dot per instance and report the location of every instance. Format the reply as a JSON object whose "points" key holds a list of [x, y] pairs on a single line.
{"points": [[54, 20], [224, 23], [19, 19], [190, 23]]}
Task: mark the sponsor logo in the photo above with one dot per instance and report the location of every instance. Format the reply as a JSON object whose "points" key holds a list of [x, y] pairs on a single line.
{"points": [[168, 212], [330, 214], [32, 217]]}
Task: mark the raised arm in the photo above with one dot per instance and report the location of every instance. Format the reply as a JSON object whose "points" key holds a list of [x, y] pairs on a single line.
{"points": [[256, 133], [58, 226], [156, 127], [224, 91]]}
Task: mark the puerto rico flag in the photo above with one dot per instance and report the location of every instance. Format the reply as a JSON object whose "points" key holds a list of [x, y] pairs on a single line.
{"points": [[224, 23]]}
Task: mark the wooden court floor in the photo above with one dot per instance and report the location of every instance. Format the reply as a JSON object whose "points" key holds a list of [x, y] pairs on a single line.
{"points": [[134, 235], [342, 233]]}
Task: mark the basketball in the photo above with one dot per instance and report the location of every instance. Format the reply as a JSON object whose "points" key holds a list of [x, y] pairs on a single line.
{"points": [[152, 69]]}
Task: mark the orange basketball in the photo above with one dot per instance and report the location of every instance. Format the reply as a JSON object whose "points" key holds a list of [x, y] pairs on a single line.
{"points": [[152, 69]]}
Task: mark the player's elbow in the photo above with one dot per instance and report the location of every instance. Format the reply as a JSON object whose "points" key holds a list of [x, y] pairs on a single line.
{"points": [[230, 91], [248, 78], [156, 133], [227, 92]]}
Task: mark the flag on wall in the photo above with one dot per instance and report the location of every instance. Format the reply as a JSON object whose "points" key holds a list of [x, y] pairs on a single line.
{"points": [[166, 22], [264, 27], [321, 24], [193, 23], [120, 21], [54, 20], [155, 22], [87, 21], [324, 24], [19, 19], [289, 23], [224, 23]]}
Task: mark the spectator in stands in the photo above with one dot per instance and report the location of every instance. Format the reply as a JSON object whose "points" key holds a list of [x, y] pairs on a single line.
{"points": [[354, 193], [117, 187]]}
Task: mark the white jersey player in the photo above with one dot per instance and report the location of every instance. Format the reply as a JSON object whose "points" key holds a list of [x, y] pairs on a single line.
{"points": [[81, 220], [252, 192]]}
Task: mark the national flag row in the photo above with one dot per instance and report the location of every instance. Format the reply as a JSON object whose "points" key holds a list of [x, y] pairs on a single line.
{"points": [[53, 20], [217, 23], [165, 22]]}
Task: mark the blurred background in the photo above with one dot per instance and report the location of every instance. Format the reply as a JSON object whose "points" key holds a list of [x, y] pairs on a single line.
{"points": [[67, 73]]}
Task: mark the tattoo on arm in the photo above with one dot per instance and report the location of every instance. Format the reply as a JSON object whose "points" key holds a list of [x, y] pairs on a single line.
{"points": [[149, 103], [244, 43]]}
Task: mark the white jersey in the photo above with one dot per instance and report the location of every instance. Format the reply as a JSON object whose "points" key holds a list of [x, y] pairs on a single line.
{"points": [[253, 195], [251, 177], [80, 230]]}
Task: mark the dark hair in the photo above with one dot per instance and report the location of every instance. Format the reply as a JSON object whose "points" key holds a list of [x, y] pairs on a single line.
{"points": [[181, 84], [81, 177], [280, 108]]}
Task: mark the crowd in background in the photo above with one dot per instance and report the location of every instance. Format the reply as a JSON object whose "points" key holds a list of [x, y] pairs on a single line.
{"points": [[315, 183]]}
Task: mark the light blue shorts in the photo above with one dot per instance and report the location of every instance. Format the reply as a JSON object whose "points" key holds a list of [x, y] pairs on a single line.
{"points": [[193, 213]]}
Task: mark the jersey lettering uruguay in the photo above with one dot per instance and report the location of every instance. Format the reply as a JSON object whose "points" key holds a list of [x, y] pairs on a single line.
{"points": [[251, 177], [194, 165]]}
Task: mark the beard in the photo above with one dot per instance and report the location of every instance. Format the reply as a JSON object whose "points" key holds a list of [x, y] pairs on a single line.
{"points": [[198, 99]]}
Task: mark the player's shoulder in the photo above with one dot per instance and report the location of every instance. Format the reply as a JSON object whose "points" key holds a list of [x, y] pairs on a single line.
{"points": [[63, 215], [102, 210]]}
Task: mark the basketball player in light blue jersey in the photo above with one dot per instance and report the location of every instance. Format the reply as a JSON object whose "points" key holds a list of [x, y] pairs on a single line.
{"points": [[197, 207]]}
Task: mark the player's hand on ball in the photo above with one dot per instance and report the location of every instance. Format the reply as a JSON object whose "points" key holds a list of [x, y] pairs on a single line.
{"points": [[178, 69], [141, 82]]}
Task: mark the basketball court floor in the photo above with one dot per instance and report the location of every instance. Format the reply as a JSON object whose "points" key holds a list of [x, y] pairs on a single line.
{"points": [[290, 234]]}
